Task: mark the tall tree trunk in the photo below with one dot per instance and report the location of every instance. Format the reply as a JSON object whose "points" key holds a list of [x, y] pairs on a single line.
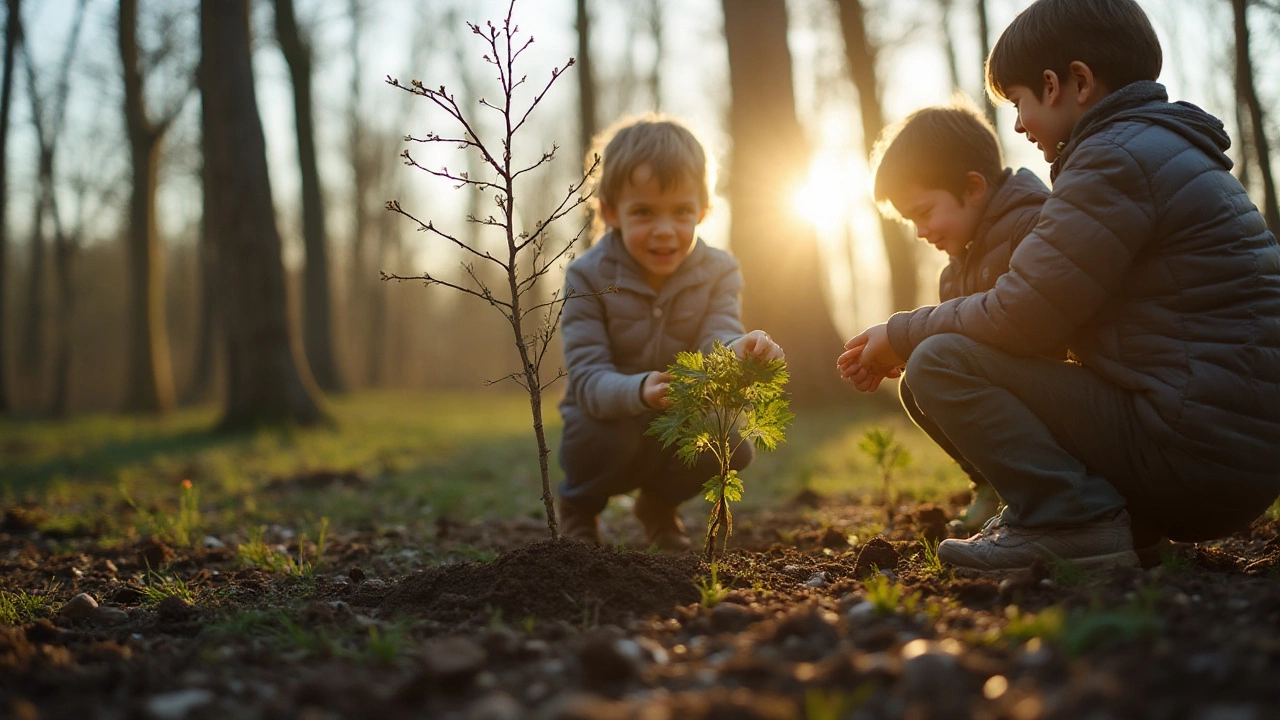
{"points": [[207, 322], [317, 314], [359, 285], [265, 381], [1247, 92], [32, 351], [150, 381], [12, 31], [949, 44], [898, 247], [656, 23], [586, 78], [64, 248], [780, 262], [984, 38]]}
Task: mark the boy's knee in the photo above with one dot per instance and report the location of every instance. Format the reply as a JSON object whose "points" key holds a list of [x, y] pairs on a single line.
{"points": [[743, 456], [936, 352]]}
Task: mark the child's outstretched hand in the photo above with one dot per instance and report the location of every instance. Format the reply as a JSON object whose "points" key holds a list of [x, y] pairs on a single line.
{"points": [[654, 390], [869, 358], [759, 344]]}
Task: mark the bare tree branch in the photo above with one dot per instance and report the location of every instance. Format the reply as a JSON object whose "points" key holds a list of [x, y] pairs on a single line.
{"points": [[394, 206]]}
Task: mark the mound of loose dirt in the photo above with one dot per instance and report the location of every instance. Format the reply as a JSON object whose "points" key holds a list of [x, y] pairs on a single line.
{"points": [[549, 580]]}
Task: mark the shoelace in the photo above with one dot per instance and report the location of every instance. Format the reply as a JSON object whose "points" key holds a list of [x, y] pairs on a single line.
{"points": [[992, 525]]}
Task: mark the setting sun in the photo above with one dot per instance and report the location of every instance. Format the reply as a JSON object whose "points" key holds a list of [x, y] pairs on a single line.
{"points": [[827, 193]]}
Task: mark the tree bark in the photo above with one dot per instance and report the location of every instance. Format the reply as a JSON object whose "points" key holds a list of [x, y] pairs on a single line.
{"points": [[780, 261], [317, 314], [898, 248], [359, 285], [586, 79], [206, 352], [949, 44], [265, 381], [1246, 90], [12, 33], [150, 381], [984, 37]]}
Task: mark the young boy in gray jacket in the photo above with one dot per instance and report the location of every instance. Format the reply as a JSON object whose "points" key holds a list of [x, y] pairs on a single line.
{"points": [[941, 169], [1152, 265], [672, 293]]}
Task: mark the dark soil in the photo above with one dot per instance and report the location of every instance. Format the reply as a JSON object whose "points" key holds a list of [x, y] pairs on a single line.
{"points": [[829, 610]]}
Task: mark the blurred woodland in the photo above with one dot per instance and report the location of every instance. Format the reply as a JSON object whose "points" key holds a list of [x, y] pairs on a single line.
{"points": [[193, 197]]}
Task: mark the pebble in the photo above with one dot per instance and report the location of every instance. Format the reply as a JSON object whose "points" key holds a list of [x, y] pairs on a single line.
{"points": [[175, 705], [78, 607], [817, 580], [212, 543], [374, 584], [731, 617], [104, 615], [864, 610], [605, 661]]}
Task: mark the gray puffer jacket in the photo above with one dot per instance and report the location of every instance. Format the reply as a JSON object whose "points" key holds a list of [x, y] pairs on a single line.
{"points": [[1153, 266], [613, 340]]}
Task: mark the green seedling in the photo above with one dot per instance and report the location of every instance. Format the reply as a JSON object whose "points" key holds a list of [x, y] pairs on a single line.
{"points": [[889, 455], [256, 553], [710, 589], [384, 647], [930, 565], [181, 529], [888, 598], [712, 395]]}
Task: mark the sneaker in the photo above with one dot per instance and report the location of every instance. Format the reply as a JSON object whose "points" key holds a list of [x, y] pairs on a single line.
{"points": [[662, 526], [577, 523], [999, 546], [985, 504]]}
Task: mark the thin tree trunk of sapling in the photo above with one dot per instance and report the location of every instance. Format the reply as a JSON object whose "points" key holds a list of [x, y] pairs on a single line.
{"points": [[527, 258]]}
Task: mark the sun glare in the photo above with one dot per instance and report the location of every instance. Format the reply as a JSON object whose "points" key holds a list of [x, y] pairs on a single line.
{"points": [[825, 197]]}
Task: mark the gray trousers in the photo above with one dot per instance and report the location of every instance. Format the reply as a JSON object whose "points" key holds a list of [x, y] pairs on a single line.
{"points": [[603, 458], [926, 423], [1064, 447]]}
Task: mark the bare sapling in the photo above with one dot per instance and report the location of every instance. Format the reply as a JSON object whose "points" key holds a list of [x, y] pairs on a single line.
{"points": [[528, 258]]}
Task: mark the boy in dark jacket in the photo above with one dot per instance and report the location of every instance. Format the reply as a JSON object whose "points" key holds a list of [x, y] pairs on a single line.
{"points": [[1152, 265], [941, 169], [671, 292]]}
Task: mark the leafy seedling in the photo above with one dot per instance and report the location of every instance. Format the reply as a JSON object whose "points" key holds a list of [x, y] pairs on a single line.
{"points": [[719, 401], [888, 455]]}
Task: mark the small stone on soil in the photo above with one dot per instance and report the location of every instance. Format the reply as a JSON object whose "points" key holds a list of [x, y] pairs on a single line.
{"points": [[104, 615], [175, 705], [452, 660], [78, 607]]}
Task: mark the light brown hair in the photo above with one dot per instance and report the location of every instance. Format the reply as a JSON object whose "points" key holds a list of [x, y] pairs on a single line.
{"points": [[1113, 37], [663, 143], [935, 147]]}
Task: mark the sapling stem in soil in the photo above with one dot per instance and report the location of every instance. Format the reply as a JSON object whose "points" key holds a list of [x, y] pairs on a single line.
{"points": [[528, 256], [888, 455], [711, 396]]}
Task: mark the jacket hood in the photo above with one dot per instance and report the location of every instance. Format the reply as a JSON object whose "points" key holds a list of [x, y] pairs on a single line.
{"points": [[1016, 189], [1148, 102]]}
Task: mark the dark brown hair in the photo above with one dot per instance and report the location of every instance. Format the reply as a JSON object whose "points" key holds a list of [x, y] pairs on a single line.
{"points": [[1113, 37], [661, 142], [935, 147]]}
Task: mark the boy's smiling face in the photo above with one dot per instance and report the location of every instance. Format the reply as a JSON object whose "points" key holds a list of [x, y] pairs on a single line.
{"points": [[1048, 118], [943, 221], [657, 225]]}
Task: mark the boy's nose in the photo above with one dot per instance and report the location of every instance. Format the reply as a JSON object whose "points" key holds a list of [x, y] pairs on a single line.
{"points": [[1017, 126]]}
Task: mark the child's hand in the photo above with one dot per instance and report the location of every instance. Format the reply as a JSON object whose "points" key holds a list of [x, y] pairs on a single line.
{"points": [[759, 344], [869, 359], [654, 390]]}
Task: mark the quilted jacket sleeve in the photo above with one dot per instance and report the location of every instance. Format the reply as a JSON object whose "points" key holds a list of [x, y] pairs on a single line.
{"points": [[723, 320], [1099, 216], [598, 388]]}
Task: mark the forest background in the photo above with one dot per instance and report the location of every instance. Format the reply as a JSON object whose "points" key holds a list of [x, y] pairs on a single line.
{"points": [[109, 294]]}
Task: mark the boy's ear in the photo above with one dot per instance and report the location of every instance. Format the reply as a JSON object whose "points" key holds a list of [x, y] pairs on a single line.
{"points": [[975, 188], [1083, 85]]}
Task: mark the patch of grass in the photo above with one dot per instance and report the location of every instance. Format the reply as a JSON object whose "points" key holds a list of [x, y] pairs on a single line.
{"points": [[158, 587], [930, 565], [181, 528], [1086, 629], [384, 648], [888, 598], [710, 589], [20, 608], [257, 553], [1046, 624]]}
